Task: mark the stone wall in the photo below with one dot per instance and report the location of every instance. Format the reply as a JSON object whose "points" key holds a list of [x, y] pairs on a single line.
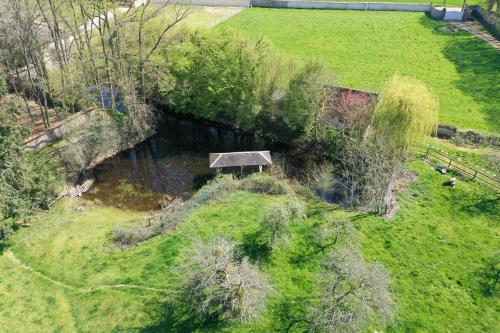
{"points": [[382, 6], [490, 22], [51, 135], [208, 3]]}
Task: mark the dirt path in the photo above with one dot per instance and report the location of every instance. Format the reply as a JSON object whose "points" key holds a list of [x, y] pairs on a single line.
{"points": [[476, 29], [13, 258]]}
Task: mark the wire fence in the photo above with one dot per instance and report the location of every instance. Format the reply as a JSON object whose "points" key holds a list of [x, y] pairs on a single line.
{"points": [[464, 169]]}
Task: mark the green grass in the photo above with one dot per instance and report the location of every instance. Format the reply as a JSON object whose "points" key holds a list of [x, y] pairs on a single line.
{"points": [[449, 3], [199, 17], [434, 249], [364, 49]]}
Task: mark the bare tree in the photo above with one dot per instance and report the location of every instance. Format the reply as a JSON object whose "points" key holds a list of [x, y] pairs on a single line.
{"points": [[20, 19], [354, 293], [331, 232], [220, 285]]}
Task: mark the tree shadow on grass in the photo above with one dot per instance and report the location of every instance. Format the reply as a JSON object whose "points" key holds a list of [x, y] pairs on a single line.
{"points": [[489, 276], [177, 318], [487, 204], [255, 247], [478, 65], [292, 315]]}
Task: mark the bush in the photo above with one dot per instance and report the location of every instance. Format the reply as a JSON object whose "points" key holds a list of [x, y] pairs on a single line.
{"points": [[3, 84], [28, 181], [264, 183], [221, 286], [278, 217], [131, 236], [212, 190]]}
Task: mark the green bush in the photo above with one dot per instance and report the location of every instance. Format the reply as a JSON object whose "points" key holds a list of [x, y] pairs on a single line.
{"points": [[406, 112], [3, 84], [221, 74], [28, 181], [266, 184]]}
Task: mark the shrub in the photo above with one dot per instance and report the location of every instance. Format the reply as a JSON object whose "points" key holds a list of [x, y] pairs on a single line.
{"points": [[221, 286], [278, 217], [131, 236], [264, 183], [213, 189], [3, 84], [28, 181]]}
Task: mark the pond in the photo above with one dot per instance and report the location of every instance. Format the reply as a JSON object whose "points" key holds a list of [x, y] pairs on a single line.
{"points": [[173, 163]]}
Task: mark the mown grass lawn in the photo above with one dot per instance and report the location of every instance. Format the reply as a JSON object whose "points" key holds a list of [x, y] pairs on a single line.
{"points": [[365, 48], [435, 250], [449, 3]]}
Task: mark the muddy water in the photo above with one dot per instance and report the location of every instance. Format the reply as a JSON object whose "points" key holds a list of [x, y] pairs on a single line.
{"points": [[172, 163]]}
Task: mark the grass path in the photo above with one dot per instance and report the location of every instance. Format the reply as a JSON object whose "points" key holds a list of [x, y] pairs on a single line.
{"points": [[27, 267]]}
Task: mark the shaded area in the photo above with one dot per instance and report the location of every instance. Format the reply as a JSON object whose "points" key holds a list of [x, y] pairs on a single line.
{"points": [[478, 65]]}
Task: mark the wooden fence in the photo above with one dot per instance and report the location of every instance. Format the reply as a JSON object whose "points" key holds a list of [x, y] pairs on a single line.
{"points": [[451, 163]]}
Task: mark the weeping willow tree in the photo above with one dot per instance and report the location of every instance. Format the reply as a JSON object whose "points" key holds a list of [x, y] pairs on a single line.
{"points": [[406, 112], [371, 165]]}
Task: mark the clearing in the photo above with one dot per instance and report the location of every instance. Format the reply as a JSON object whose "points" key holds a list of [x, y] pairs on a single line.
{"points": [[63, 274]]}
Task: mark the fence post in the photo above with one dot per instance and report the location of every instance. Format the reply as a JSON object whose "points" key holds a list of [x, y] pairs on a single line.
{"points": [[475, 174], [449, 164], [427, 152]]}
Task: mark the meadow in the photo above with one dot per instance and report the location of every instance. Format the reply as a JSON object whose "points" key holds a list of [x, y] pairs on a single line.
{"points": [[363, 49], [64, 274], [450, 3]]}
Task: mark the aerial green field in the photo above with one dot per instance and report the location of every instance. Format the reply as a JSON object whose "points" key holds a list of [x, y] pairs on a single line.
{"points": [[365, 48], [450, 3], [63, 274]]}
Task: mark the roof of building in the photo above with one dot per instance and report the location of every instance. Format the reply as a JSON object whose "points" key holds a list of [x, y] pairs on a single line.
{"points": [[224, 160]]}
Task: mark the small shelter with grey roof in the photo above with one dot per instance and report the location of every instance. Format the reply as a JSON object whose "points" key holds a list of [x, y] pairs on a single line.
{"points": [[240, 159]]}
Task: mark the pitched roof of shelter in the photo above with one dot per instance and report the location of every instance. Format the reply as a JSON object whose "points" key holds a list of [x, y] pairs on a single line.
{"points": [[223, 160]]}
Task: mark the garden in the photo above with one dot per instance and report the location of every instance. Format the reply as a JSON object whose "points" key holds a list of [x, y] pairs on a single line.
{"points": [[350, 229]]}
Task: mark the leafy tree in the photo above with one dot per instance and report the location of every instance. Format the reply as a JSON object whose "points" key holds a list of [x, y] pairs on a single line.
{"points": [[27, 181], [405, 113], [306, 97], [222, 74], [220, 285], [354, 293]]}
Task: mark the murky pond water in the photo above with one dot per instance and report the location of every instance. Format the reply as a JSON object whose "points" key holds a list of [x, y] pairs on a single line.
{"points": [[172, 163]]}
